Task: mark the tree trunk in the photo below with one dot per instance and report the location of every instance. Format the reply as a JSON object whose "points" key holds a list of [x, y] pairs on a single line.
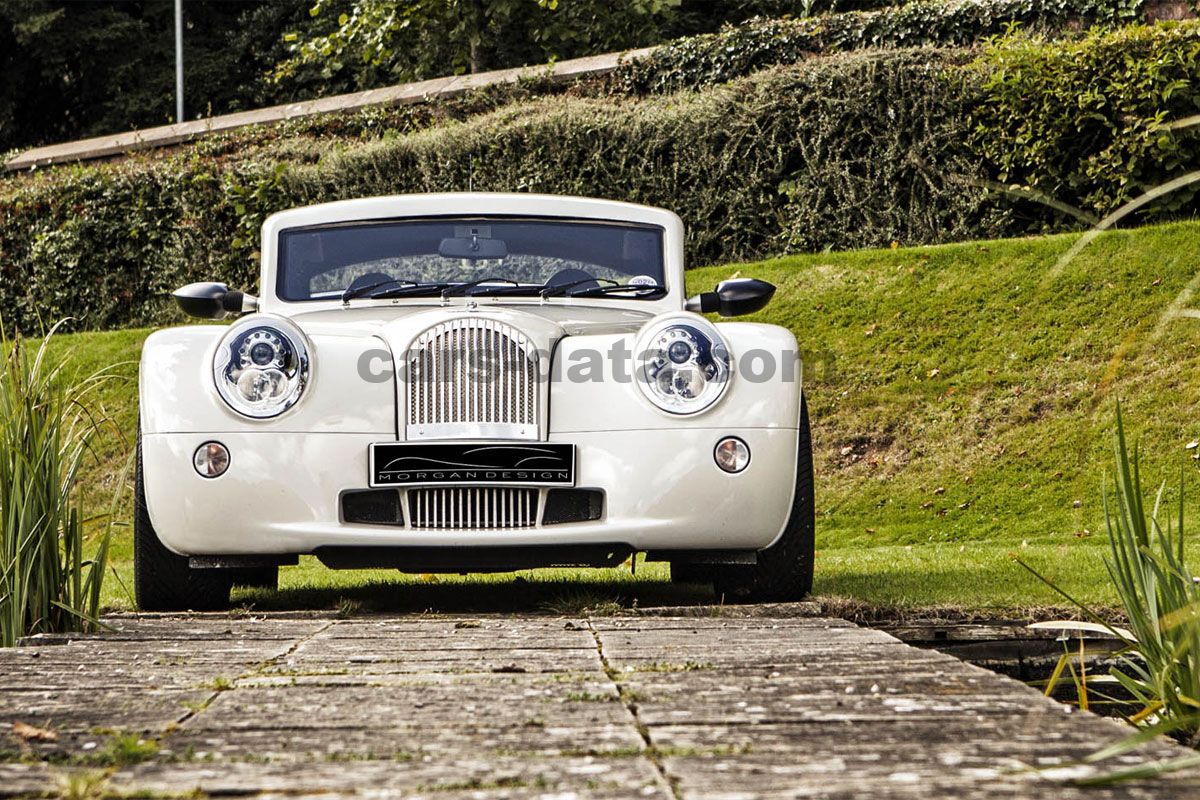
{"points": [[475, 35]]}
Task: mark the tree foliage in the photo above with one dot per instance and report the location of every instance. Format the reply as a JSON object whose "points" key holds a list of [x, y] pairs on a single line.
{"points": [[75, 69], [61, 61], [367, 43], [70, 69]]}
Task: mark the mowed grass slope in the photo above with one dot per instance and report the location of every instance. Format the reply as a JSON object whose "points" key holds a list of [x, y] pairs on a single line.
{"points": [[963, 393], [962, 400]]}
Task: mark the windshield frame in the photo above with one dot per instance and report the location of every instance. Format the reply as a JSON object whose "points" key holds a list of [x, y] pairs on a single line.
{"points": [[661, 231]]}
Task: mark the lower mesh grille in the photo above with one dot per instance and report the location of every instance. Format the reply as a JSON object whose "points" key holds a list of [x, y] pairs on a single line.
{"points": [[372, 507], [471, 508], [573, 505]]}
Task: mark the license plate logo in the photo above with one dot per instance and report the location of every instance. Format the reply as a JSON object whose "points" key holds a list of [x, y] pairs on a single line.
{"points": [[424, 464]]}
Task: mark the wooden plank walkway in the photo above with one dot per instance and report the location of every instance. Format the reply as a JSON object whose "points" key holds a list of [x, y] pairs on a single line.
{"points": [[447, 707]]}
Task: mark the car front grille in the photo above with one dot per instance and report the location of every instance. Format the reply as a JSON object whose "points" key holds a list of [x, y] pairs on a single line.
{"points": [[573, 505], [473, 508], [472, 378], [372, 507]]}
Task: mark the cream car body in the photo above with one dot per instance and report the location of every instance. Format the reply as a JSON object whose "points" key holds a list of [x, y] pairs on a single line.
{"points": [[654, 481]]}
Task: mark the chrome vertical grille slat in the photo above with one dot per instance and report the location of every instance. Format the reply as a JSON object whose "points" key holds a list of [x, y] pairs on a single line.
{"points": [[473, 378], [466, 508]]}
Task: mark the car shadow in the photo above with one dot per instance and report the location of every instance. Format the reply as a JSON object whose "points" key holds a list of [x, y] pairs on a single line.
{"points": [[480, 595]]}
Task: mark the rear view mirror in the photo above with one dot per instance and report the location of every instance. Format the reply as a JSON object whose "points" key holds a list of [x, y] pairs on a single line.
{"points": [[473, 248], [733, 298], [213, 300]]}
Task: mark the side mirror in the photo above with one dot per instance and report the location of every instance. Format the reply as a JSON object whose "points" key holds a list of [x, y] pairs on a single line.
{"points": [[733, 298], [213, 300]]}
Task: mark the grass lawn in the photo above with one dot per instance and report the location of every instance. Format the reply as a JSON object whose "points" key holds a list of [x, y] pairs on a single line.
{"points": [[975, 578], [962, 400]]}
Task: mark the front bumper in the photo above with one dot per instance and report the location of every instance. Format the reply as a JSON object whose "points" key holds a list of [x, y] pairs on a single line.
{"points": [[281, 494]]}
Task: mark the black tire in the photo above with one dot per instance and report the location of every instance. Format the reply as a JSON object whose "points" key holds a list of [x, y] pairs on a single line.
{"points": [[785, 569], [162, 580]]}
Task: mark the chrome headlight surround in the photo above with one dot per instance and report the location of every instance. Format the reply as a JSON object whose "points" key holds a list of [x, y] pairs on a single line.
{"points": [[262, 366], [684, 364]]}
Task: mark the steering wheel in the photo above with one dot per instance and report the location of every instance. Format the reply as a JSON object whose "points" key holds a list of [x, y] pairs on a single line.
{"points": [[571, 275], [370, 279]]}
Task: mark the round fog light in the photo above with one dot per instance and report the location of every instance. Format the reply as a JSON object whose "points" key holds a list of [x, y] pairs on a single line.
{"points": [[211, 460], [732, 454]]}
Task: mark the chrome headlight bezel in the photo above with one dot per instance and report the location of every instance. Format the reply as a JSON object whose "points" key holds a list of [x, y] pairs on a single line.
{"points": [[660, 348], [258, 352]]}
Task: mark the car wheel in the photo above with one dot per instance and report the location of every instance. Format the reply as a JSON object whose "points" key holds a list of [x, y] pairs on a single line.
{"points": [[162, 580], [784, 571]]}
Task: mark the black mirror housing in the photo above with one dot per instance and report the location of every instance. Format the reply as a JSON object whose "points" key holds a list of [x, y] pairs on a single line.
{"points": [[213, 300], [733, 298]]}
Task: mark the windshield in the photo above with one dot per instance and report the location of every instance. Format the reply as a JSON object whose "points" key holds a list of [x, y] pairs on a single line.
{"points": [[480, 255]]}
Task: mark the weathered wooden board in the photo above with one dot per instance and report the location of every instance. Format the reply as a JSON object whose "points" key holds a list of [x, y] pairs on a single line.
{"points": [[500, 707]]}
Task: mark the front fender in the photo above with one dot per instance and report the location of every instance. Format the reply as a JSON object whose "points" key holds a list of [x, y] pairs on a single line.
{"points": [[176, 393], [591, 392]]}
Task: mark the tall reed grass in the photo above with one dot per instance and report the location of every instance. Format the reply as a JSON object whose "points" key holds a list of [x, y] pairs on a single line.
{"points": [[1161, 599], [48, 583], [1159, 664]]}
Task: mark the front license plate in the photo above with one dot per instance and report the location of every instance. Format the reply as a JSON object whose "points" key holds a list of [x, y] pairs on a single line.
{"points": [[482, 463]]}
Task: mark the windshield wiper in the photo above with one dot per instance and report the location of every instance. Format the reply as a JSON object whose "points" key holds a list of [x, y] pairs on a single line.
{"points": [[562, 288], [520, 290], [447, 289], [642, 292], [360, 291], [412, 290], [456, 289]]}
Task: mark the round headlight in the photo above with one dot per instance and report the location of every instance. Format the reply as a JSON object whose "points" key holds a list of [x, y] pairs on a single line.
{"points": [[261, 367], [684, 365]]}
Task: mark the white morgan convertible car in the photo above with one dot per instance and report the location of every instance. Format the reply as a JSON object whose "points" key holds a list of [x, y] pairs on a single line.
{"points": [[471, 383]]}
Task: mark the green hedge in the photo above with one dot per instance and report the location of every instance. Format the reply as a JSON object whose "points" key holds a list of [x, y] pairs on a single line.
{"points": [[105, 243], [737, 51], [1088, 122], [854, 150], [737, 163]]}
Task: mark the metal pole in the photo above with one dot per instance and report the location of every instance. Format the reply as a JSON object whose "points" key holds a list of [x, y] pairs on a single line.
{"points": [[179, 60]]}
